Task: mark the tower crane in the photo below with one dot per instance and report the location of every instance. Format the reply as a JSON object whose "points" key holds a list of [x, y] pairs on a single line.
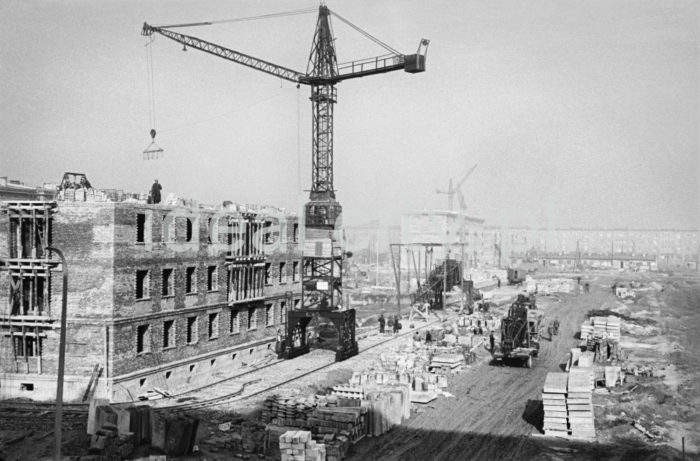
{"points": [[322, 270], [452, 191], [322, 74]]}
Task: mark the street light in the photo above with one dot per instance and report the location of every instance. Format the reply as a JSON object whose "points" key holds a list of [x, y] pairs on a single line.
{"points": [[58, 429]]}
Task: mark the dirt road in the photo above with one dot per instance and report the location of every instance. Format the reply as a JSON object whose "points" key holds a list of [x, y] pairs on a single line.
{"points": [[496, 410]]}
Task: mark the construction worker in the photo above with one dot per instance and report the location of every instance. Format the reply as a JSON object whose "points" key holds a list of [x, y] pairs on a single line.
{"points": [[382, 322], [279, 347], [397, 324], [492, 341], [155, 192]]}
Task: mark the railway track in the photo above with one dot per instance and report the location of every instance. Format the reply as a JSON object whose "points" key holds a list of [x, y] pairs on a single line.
{"points": [[239, 394]]}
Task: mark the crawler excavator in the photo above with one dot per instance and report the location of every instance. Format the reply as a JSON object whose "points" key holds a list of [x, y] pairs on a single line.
{"points": [[520, 333]]}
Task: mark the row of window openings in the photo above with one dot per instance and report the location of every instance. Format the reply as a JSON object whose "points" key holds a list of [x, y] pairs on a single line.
{"points": [[143, 332], [282, 275], [168, 374], [141, 230], [168, 281]]}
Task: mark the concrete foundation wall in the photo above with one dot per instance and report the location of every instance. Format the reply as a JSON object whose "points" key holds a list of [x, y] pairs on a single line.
{"points": [[192, 373], [13, 386]]}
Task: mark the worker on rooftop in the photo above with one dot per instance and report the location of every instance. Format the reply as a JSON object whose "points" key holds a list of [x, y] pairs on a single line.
{"points": [[155, 192]]}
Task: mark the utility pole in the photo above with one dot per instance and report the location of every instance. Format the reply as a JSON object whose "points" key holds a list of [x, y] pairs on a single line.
{"points": [[58, 422], [461, 278], [444, 282], [376, 268]]}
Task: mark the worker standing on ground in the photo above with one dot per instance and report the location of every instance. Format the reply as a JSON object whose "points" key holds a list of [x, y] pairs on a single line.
{"points": [[397, 324], [492, 341], [382, 322], [155, 192]]}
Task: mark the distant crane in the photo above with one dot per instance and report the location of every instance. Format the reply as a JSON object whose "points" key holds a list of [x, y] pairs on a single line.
{"points": [[452, 191]]}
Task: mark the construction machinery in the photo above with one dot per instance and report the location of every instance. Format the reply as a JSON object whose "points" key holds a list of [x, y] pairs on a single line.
{"points": [[452, 191], [322, 253], [520, 332], [516, 276]]}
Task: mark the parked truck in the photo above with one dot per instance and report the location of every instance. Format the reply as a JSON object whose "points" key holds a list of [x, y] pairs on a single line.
{"points": [[520, 332], [516, 276]]}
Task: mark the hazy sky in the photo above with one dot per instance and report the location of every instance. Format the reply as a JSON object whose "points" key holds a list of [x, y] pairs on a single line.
{"points": [[578, 113]]}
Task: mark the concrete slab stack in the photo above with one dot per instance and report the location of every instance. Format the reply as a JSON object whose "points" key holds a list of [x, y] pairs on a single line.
{"points": [[586, 359], [579, 404], [554, 403], [612, 327], [586, 329]]}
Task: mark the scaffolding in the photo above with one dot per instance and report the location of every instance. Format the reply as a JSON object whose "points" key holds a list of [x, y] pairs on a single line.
{"points": [[433, 279], [28, 268]]}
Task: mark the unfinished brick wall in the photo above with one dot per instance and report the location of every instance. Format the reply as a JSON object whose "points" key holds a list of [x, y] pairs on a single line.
{"points": [[84, 231], [154, 311], [105, 245]]}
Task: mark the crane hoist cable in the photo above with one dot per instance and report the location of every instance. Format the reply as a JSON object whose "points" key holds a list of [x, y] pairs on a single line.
{"points": [[153, 151], [248, 18]]}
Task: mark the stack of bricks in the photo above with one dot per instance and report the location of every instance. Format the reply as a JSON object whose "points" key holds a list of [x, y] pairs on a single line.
{"points": [[351, 420], [299, 446], [579, 405], [554, 403], [287, 411]]}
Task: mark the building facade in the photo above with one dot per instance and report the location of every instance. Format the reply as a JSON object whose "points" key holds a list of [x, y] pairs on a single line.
{"points": [[455, 234], [159, 296], [662, 249]]}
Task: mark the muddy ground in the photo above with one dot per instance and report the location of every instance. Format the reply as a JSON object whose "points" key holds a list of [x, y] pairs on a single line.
{"points": [[497, 412]]}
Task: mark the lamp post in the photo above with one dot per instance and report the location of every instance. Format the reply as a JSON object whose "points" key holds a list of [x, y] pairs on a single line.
{"points": [[61, 357]]}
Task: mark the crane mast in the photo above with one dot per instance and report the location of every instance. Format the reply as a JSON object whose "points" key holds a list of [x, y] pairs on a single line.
{"points": [[322, 209]]}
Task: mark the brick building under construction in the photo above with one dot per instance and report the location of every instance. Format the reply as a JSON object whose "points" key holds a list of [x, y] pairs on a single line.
{"points": [[159, 296]]}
